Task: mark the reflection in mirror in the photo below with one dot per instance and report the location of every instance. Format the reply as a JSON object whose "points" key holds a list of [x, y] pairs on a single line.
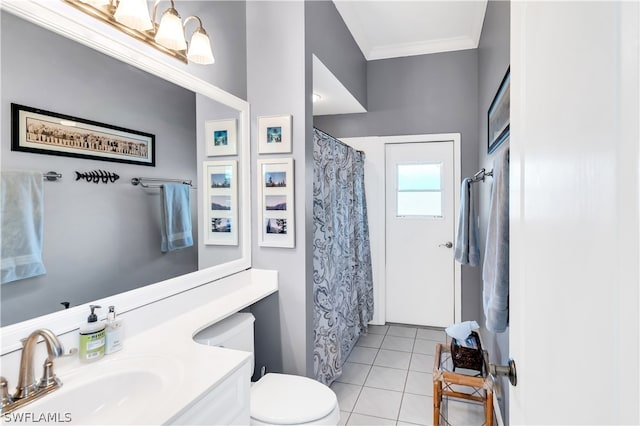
{"points": [[101, 239]]}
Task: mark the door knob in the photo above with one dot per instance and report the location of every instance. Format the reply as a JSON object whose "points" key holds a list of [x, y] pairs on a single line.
{"points": [[505, 370], [448, 244]]}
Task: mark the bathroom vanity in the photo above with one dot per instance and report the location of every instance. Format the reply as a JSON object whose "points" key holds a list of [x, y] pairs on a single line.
{"points": [[162, 376]]}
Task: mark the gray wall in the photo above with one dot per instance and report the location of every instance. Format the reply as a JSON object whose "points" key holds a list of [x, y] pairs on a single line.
{"points": [[225, 23], [493, 61], [83, 259], [435, 93], [277, 84], [330, 40]]}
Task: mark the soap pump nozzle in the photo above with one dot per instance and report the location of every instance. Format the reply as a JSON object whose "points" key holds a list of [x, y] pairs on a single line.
{"points": [[93, 317]]}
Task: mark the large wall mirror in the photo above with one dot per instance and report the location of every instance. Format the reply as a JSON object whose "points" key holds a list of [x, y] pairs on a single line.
{"points": [[102, 240]]}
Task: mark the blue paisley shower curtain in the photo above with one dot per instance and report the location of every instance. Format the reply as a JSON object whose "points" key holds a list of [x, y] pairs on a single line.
{"points": [[342, 279]]}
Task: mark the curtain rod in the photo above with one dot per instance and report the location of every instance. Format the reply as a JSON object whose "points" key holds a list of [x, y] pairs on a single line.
{"points": [[337, 140]]}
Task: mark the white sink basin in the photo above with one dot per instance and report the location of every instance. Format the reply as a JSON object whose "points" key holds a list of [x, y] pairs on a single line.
{"points": [[128, 390]]}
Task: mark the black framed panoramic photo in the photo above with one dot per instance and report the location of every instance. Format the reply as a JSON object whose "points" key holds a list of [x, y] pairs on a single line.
{"points": [[498, 116], [45, 132]]}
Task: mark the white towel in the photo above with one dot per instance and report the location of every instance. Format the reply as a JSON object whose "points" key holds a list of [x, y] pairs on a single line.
{"points": [[467, 250], [22, 225], [176, 217], [495, 271]]}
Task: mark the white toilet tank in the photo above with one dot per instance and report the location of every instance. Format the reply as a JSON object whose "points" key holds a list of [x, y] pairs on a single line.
{"points": [[234, 332]]}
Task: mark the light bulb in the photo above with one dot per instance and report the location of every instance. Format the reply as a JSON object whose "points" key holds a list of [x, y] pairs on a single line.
{"points": [[170, 33], [134, 14], [200, 48]]}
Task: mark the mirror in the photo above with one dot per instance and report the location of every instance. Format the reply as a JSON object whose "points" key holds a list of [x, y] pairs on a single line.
{"points": [[103, 239]]}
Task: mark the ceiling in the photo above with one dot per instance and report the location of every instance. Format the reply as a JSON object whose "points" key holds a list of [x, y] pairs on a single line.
{"points": [[389, 29], [396, 28]]}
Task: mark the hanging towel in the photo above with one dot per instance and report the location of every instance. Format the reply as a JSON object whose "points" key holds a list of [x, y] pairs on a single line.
{"points": [[22, 225], [495, 271], [175, 217], [467, 250]]}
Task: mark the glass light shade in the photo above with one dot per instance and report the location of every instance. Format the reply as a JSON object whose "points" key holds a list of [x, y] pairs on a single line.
{"points": [[170, 33], [97, 3], [200, 48], [134, 14]]}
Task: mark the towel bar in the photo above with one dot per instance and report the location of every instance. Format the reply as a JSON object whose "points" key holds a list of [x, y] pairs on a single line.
{"points": [[141, 181], [51, 176], [480, 175]]}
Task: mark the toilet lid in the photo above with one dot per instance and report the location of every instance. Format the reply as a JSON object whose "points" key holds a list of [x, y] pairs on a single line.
{"points": [[284, 399]]}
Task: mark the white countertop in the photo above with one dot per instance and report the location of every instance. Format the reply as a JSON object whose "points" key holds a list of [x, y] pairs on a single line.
{"points": [[163, 332]]}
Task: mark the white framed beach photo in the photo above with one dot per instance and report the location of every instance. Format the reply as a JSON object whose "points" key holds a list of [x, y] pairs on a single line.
{"points": [[276, 211], [274, 134], [221, 137], [220, 183]]}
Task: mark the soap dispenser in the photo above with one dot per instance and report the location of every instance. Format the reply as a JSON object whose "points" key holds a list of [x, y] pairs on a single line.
{"points": [[92, 338], [114, 332]]}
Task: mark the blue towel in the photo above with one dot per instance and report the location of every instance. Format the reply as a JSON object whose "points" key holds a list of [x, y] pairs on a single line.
{"points": [[495, 271], [176, 217], [22, 225], [467, 250]]}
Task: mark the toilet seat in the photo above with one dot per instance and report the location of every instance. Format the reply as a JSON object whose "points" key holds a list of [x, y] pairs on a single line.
{"points": [[284, 399]]}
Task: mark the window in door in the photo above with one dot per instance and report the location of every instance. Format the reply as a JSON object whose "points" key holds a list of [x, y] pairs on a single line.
{"points": [[419, 190]]}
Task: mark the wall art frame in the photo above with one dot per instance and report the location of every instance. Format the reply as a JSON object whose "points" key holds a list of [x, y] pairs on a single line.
{"points": [[276, 207], [221, 137], [45, 132], [220, 183], [274, 134], [498, 115]]}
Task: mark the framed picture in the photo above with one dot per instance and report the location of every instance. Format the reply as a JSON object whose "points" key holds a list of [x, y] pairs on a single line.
{"points": [[276, 227], [498, 116], [274, 134], [220, 183], [45, 132], [221, 137]]}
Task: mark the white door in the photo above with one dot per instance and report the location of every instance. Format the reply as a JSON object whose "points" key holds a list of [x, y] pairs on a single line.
{"points": [[419, 233], [574, 249]]}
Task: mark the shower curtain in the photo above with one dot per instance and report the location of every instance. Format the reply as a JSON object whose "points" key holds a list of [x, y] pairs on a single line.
{"points": [[342, 278]]}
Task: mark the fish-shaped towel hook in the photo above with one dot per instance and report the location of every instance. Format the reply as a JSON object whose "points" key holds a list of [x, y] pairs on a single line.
{"points": [[97, 176]]}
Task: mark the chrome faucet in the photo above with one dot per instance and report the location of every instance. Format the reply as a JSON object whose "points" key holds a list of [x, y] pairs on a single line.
{"points": [[28, 389]]}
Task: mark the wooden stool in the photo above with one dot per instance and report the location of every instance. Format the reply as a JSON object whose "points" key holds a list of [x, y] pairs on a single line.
{"points": [[444, 378]]}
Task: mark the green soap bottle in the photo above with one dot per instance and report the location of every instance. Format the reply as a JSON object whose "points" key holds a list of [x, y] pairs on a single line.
{"points": [[92, 338]]}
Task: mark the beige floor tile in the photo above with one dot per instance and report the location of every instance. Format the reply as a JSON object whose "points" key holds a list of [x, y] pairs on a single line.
{"points": [[402, 331], [393, 359], [422, 363], [386, 378], [362, 355], [361, 419], [429, 334], [378, 329], [396, 343], [416, 409], [378, 403], [347, 395], [354, 373], [370, 340], [419, 383], [427, 347]]}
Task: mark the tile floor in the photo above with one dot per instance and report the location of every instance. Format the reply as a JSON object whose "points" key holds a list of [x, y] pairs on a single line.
{"points": [[387, 380]]}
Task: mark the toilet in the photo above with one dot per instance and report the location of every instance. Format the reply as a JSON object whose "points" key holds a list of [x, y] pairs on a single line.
{"points": [[276, 399]]}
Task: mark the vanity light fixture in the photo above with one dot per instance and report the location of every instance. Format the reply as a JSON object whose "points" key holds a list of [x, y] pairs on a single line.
{"points": [[133, 18]]}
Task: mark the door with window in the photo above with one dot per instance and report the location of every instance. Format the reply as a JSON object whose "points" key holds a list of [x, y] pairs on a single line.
{"points": [[420, 229]]}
